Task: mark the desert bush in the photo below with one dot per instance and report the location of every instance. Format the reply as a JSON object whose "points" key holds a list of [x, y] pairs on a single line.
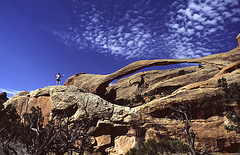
{"points": [[184, 114], [231, 92], [10, 128], [59, 136], [235, 119]]}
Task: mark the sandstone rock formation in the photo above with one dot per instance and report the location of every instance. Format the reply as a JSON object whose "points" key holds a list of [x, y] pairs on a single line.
{"points": [[197, 87], [56, 98], [99, 84], [121, 128], [77, 103]]}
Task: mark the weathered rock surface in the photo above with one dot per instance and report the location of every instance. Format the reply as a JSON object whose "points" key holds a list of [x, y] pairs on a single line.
{"points": [[121, 128], [75, 100]]}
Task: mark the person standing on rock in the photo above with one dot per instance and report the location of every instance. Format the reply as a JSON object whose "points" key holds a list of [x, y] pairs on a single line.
{"points": [[58, 76]]}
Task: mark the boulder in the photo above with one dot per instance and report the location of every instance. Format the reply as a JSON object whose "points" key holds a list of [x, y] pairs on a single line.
{"points": [[103, 140], [123, 144]]}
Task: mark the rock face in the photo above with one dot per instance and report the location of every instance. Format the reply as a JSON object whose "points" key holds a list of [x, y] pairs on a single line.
{"points": [[121, 128], [77, 103], [76, 100]]}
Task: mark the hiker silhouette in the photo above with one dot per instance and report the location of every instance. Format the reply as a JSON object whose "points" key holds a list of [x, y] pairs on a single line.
{"points": [[58, 76]]}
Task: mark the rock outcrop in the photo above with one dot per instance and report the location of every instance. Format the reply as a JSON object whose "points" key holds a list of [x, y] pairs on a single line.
{"points": [[121, 127], [77, 102]]}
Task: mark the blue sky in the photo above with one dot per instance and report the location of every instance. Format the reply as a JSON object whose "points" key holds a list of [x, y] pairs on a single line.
{"points": [[40, 38]]}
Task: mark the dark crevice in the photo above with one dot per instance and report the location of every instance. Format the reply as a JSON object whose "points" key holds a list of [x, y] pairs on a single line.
{"points": [[43, 95], [233, 148], [68, 112], [163, 113]]}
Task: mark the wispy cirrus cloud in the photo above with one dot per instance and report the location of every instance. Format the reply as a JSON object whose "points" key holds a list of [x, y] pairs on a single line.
{"points": [[10, 92], [146, 29]]}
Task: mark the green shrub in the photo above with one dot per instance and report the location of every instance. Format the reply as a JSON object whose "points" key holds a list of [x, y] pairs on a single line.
{"points": [[231, 92], [235, 119]]}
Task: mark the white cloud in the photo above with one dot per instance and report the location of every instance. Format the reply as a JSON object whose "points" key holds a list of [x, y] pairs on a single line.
{"points": [[189, 23], [190, 31], [221, 8], [194, 6], [227, 14], [186, 12], [206, 9], [175, 26], [10, 92], [231, 2], [236, 11], [144, 31], [235, 19], [180, 17], [212, 30], [198, 18], [211, 22], [130, 43], [214, 2], [181, 30], [199, 27]]}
